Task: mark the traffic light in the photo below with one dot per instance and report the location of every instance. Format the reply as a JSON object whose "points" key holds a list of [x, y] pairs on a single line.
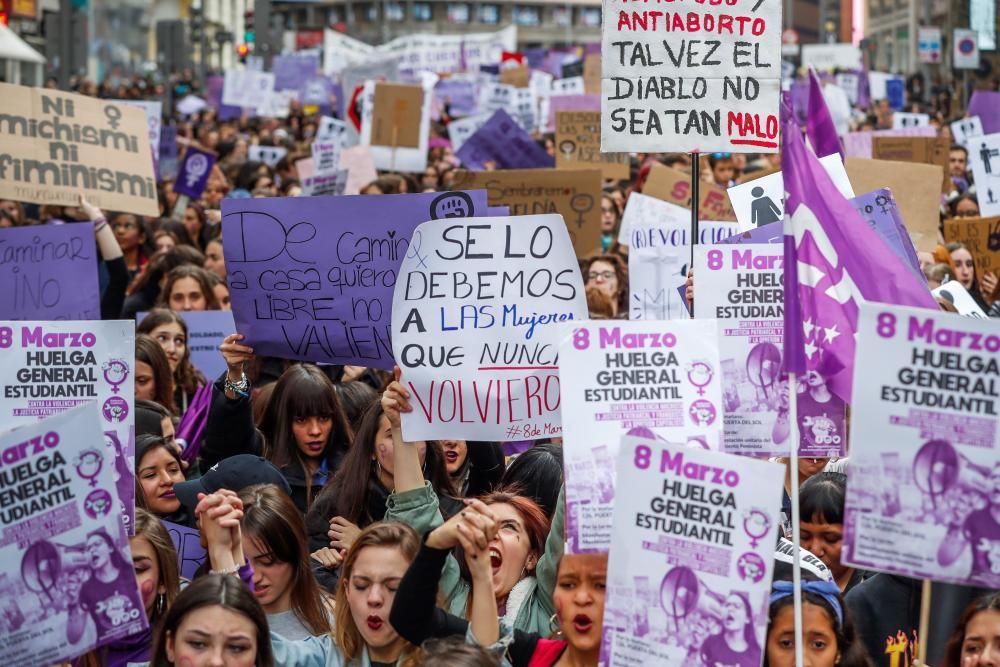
{"points": [[242, 51], [248, 31], [197, 24]]}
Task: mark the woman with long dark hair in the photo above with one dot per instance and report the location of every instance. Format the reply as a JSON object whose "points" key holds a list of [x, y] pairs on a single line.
{"points": [[154, 379], [976, 640], [170, 330], [187, 288], [109, 595]]}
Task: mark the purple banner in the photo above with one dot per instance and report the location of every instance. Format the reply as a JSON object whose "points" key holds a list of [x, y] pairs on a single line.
{"points": [[986, 105], [504, 143], [311, 278], [291, 71], [192, 175], [49, 272]]}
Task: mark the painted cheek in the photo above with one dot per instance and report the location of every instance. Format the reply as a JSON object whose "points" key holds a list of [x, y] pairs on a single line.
{"points": [[147, 590]]}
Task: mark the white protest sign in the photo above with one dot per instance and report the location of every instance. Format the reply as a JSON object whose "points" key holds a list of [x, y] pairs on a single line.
{"points": [[493, 96], [922, 499], [659, 236], [154, 119], [984, 156], [326, 155], [658, 377], [693, 549], [691, 80], [953, 292], [831, 56], [269, 155], [902, 120], [396, 158], [762, 200], [525, 109], [571, 86], [68, 583], [463, 128], [277, 103], [966, 128], [324, 183], [331, 129], [742, 286], [474, 326], [247, 88], [49, 367]]}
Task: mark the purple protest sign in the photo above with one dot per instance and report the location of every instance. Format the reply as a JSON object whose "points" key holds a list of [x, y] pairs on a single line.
{"points": [[193, 173], [213, 95], [291, 71], [505, 143], [878, 208], [800, 100], [770, 233], [458, 94], [167, 162], [311, 278], [49, 272], [187, 543], [986, 105]]}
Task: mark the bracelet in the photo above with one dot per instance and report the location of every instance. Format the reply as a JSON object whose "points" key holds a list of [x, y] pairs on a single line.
{"points": [[235, 569], [240, 388]]}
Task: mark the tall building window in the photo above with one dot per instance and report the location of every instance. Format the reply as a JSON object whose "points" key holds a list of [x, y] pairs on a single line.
{"points": [[458, 12], [489, 14], [394, 12], [422, 12], [590, 17], [371, 13], [527, 15], [562, 16]]}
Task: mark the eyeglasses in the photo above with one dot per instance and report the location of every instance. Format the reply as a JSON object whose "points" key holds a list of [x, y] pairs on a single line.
{"points": [[601, 275]]}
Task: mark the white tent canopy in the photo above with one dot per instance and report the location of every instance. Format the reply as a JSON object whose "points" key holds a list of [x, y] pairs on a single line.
{"points": [[13, 47]]}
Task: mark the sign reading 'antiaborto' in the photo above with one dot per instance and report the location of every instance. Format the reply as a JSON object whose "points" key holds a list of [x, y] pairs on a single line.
{"points": [[691, 76], [474, 324], [55, 145]]}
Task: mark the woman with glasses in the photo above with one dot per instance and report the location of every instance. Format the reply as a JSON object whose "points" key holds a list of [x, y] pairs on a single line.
{"points": [[133, 237], [609, 274]]}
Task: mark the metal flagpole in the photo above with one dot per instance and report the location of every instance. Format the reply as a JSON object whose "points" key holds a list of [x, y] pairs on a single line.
{"points": [[793, 466], [695, 197]]}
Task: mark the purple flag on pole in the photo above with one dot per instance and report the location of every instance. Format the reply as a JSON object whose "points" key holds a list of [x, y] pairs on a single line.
{"points": [[820, 129], [830, 253], [192, 175]]}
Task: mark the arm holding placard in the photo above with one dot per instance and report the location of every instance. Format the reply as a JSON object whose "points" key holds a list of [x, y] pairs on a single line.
{"points": [[114, 259], [230, 429]]}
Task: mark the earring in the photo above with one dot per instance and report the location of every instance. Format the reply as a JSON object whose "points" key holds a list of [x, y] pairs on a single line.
{"points": [[161, 601], [554, 625]]}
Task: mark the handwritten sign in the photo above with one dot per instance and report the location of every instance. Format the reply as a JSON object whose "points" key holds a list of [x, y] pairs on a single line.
{"points": [[311, 278], [475, 319], [187, 542], [578, 145], [691, 552], [502, 142], [574, 194], [921, 500], [660, 377], [982, 237], [56, 145], [674, 186], [722, 82], [59, 599], [49, 272]]}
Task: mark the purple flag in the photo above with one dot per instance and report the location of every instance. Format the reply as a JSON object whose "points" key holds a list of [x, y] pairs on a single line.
{"points": [[311, 278], [820, 129], [192, 175], [502, 141], [829, 257], [49, 272]]}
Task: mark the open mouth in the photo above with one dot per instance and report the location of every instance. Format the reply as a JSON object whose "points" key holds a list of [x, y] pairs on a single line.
{"points": [[374, 623], [582, 623], [451, 457], [496, 560], [261, 591], [315, 447]]}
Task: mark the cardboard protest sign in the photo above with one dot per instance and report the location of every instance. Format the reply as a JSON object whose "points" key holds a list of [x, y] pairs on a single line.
{"points": [[953, 292], [694, 535], [916, 187], [519, 77], [578, 145], [902, 119], [508, 282], [357, 161], [879, 210], [859, 144], [659, 238], [592, 74], [984, 156], [395, 107], [762, 200], [311, 278], [247, 88], [194, 170], [68, 586], [187, 543], [925, 150], [674, 186], [398, 156], [921, 499], [723, 79], [559, 103], [966, 129], [986, 105], [269, 155], [502, 142], [49, 272], [47, 368], [657, 377], [57, 145], [206, 331], [982, 237], [574, 194]]}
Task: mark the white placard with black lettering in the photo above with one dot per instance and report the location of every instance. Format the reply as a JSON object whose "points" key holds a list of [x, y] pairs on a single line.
{"points": [[984, 156], [965, 129]]}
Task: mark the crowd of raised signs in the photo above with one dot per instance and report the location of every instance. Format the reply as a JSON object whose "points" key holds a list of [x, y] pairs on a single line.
{"points": [[327, 539]]}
